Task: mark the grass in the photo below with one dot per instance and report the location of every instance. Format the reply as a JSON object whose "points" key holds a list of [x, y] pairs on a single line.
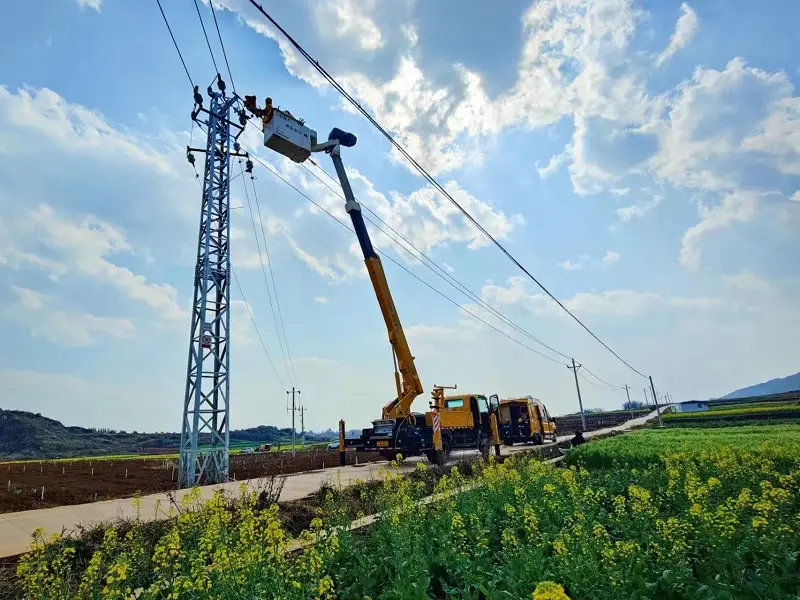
{"points": [[235, 448], [726, 412], [729, 405], [668, 513], [647, 447]]}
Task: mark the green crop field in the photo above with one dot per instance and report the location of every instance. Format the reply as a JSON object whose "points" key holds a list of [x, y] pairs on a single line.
{"points": [[665, 513], [235, 448], [730, 412], [648, 447]]}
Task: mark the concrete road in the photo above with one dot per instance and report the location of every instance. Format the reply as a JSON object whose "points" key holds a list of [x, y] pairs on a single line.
{"points": [[16, 528]]}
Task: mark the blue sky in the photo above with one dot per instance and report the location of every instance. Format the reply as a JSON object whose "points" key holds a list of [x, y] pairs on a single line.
{"points": [[642, 159]]}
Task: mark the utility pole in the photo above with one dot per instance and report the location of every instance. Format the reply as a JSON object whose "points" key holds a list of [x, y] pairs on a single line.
{"points": [[302, 426], [294, 412], [655, 399], [204, 450], [627, 393], [574, 368], [646, 403]]}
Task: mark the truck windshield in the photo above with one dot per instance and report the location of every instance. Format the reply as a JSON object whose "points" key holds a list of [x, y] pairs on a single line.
{"points": [[455, 403]]}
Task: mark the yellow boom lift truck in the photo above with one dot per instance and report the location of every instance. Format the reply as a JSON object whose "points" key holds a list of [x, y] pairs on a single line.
{"points": [[525, 420], [462, 421]]}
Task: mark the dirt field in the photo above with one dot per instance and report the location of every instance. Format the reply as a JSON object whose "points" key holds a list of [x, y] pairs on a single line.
{"points": [[84, 481]]}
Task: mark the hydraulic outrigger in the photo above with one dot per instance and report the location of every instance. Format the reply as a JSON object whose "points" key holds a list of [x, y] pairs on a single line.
{"points": [[454, 422]]}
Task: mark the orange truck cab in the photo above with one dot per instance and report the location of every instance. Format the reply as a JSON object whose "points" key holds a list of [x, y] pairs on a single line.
{"points": [[525, 420]]}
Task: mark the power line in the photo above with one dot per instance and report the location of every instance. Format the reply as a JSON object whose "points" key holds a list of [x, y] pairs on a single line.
{"points": [[272, 277], [222, 44], [203, 25], [386, 256], [255, 326], [600, 379], [434, 267], [183, 62], [252, 318], [264, 274], [233, 271], [443, 274], [427, 176], [587, 380]]}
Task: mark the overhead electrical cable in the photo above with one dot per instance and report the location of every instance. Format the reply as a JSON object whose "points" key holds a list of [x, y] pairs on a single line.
{"points": [[280, 331], [386, 256], [595, 384], [255, 326], [253, 320], [183, 62], [222, 45], [600, 379], [435, 268], [443, 274], [272, 277], [208, 43], [264, 274], [438, 269], [427, 176]]}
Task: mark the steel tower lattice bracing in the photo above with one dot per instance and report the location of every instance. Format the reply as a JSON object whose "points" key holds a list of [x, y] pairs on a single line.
{"points": [[204, 456]]}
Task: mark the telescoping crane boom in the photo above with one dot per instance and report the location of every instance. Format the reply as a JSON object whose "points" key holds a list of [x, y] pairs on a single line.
{"points": [[406, 376], [464, 421]]}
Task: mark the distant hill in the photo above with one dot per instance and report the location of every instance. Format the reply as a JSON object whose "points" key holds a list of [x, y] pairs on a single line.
{"points": [[773, 386], [28, 435]]}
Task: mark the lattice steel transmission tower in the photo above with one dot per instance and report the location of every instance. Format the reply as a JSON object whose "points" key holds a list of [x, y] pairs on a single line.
{"points": [[204, 456]]}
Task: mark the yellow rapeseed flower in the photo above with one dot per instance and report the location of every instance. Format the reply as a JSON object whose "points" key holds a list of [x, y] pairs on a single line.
{"points": [[759, 522], [549, 590]]}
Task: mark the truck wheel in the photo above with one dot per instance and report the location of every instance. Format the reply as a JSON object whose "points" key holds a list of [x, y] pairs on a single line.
{"points": [[537, 439], [436, 457], [484, 445]]}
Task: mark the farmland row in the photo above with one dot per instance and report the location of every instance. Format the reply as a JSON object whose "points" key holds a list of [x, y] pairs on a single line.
{"points": [[718, 521], [82, 481]]}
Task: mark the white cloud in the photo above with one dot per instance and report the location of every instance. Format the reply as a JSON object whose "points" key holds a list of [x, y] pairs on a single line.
{"points": [[575, 265], [779, 136], [611, 302], [630, 302], [423, 217], [585, 260], [350, 20], [555, 163], [637, 211], [720, 125], [438, 333], [82, 247], [737, 206], [322, 299], [242, 316], [685, 29], [796, 196], [73, 129], [748, 282], [569, 48], [46, 317], [95, 4]]}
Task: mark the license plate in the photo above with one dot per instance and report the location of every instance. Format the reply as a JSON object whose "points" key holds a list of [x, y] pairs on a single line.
{"points": [[383, 444]]}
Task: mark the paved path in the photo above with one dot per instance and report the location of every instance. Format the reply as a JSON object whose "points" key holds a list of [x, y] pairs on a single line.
{"points": [[16, 528]]}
